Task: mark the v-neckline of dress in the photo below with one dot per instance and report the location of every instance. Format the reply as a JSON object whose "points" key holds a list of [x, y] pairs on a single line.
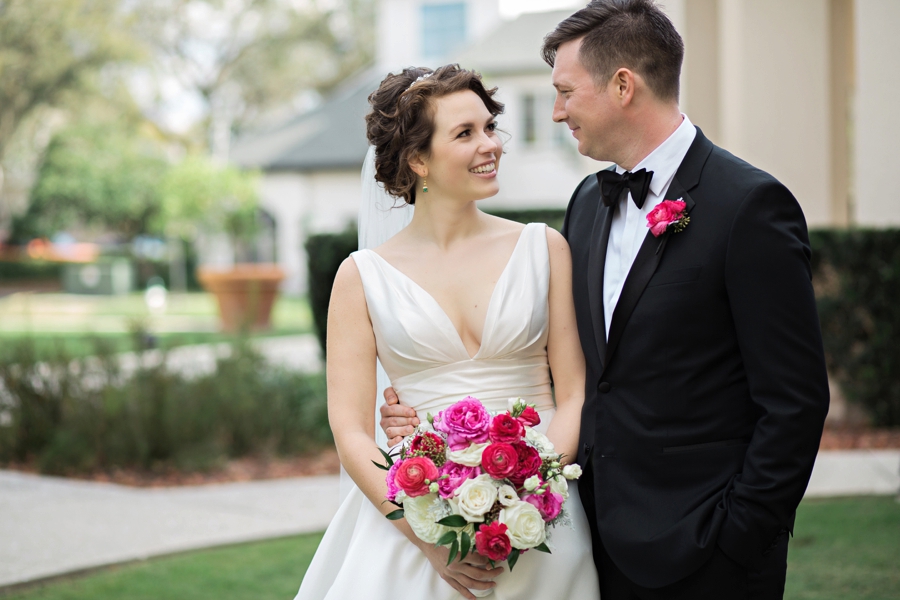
{"points": [[449, 321]]}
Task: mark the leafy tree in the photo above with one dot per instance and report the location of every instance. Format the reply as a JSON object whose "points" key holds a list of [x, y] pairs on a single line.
{"points": [[200, 194], [50, 49], [95, 176], [245, 57]]}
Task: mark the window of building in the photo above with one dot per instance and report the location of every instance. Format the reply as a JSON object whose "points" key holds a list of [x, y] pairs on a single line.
{"points": [[529, 125], [443, 28]]}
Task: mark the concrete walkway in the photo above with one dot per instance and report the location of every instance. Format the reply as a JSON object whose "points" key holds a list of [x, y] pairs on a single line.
{"points": [[50, 526]]}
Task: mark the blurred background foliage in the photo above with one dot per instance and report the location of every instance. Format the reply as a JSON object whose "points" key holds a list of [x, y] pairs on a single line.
{"points": [[94, 93]]}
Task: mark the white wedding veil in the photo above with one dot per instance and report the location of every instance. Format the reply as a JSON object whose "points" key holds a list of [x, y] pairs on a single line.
{"points": [[381, 216]]}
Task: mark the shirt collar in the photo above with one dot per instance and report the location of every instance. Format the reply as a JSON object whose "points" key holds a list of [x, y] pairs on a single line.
{"points": [[667, 157]]}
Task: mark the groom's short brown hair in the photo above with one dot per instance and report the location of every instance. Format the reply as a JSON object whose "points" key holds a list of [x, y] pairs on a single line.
{"points": [[635, 34]]}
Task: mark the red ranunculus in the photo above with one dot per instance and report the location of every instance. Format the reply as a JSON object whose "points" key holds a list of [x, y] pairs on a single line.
{"points": [[548, 504], [664, 214], [530, 417], [504, 428], [415, 475], [427, 443], [528, 463], [492, 542], [499, 460]]}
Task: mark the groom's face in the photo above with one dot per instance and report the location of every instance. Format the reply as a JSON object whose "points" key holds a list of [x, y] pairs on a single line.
{"points": [[582, 104]]}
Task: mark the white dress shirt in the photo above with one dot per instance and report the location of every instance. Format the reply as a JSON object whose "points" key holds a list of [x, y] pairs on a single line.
{"points": [[629, 224]]}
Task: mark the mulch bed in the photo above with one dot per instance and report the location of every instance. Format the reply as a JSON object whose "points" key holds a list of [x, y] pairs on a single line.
{"points": [[324, 462], [853, 438]]}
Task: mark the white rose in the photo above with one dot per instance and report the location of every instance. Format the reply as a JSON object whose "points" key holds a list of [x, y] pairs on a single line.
{"points": [[526, 527], [420, 517], [571, 471], [470, 456], [507, 495], [559, 485], [475, 497], [541, 443], [532, 483]]}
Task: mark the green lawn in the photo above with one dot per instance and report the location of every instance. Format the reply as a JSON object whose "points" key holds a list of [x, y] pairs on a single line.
{"points": [[260, 571], [845, 549], [74, 323]]}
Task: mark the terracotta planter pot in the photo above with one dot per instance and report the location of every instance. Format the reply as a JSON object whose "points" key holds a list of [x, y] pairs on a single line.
{"points": [[245, 294]]}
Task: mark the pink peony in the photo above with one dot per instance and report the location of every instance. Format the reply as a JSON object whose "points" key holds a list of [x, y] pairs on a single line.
{"points": [[528, 463], [548, 504], [504, 428], [465, 422], [415, 475], [500, 460], [530, 417], [391, 476], [664, 214], [456, 474], [492, 542]]}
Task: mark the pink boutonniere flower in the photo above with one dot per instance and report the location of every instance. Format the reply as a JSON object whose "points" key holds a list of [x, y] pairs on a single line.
{"points": [[668, 215]]}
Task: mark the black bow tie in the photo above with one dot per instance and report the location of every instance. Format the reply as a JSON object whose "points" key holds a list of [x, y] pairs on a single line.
{"points": [[612, 185]]}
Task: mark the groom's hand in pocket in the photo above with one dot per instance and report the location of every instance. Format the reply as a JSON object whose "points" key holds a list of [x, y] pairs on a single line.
{"points": [[397, 421]]}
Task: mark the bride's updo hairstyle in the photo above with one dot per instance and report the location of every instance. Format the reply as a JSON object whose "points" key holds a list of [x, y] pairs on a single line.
{"points": [[401, 123]]}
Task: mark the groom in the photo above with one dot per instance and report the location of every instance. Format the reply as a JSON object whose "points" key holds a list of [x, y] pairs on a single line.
{"points": [[706, 389]]}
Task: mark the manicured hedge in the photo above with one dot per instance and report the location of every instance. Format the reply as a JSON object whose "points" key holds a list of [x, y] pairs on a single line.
{"points": [[857, 279]]}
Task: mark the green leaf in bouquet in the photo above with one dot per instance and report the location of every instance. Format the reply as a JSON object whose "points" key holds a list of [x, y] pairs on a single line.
{"points": [[453, 521], [381, 466], [446, 539], [454, 549], [387, 458], [512, 558], [395, 515], [464, 545], [543, 548]]}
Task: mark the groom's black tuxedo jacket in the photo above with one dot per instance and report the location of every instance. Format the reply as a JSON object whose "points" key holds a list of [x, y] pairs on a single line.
{"points": [[704, 409]]}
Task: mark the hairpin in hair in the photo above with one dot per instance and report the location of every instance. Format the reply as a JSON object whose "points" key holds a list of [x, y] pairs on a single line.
{"points": [[421, 78]]}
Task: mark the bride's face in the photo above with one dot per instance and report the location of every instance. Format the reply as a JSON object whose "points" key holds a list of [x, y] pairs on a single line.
{"points": [[465, 148]]}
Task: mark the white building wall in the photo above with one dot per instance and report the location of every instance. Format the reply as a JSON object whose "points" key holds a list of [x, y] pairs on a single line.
{"points": [[774, 81], [877, 113]]}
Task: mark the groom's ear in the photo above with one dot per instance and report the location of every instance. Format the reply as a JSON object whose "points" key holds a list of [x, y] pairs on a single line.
{"points": [[623, 84]]}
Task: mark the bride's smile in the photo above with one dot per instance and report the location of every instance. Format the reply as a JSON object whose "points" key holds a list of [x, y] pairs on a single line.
{"points": [[465, 149]]}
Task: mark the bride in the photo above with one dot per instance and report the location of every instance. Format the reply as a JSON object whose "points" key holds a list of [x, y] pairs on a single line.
{"points": [[458, 303]]}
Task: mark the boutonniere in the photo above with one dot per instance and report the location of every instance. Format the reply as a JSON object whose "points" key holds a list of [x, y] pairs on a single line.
{"points": [[668, 215]]}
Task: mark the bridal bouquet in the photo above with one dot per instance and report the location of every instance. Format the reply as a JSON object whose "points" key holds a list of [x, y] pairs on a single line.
{"points": [[480, 482]]}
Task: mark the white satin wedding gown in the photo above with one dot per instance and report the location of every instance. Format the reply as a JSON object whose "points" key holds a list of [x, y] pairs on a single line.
{"points": [[362, 554]]}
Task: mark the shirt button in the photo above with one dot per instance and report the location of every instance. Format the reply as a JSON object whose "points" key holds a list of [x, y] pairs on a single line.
{"points": [[604, 387]]}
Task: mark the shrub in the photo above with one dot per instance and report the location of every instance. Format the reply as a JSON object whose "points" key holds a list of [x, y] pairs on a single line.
{"points": [[86, 414], [857, 280], [325, 252]]}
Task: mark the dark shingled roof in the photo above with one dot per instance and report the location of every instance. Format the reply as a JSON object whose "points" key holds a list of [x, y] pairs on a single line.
{"points": [[331, 136]]}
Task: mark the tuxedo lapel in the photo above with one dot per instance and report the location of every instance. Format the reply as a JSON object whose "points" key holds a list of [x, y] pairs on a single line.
{"points": [[596, 268], [651, 250]]}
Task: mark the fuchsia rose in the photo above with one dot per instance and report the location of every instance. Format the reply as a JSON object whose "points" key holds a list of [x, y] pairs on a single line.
{"points": [[466, 422], [667, 212], [391, 476], [548, 504], [500, 460], [530, 417], [414, 476], [456, 474], [505, 428], [528, 463], [492, 542]]}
